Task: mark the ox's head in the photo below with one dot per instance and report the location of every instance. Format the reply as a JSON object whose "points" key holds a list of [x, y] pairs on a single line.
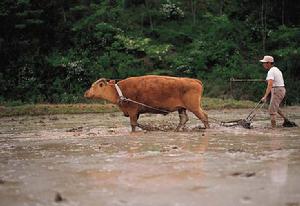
{"points": [[99, 89]]}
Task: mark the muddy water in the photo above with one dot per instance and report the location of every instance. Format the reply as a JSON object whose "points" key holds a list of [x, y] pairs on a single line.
{"points": [[93, 159]]}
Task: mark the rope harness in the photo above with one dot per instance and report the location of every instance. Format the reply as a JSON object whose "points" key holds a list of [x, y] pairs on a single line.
{"points": [[125, 99]]}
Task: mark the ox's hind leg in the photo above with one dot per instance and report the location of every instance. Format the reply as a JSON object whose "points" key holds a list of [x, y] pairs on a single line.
{"points": [[192, 103], [183, 118], [202, 116]]}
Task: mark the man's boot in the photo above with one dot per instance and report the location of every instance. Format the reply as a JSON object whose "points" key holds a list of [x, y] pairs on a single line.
{"points": [[273, 120], [273, 123], [288, 123]]}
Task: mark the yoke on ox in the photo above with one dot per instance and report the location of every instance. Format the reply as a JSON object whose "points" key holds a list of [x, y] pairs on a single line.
{"points": [[152, 94]]}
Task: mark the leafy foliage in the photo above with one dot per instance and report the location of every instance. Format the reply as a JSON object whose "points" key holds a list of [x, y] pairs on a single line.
{"points": [[51, 51], [171, 11]]}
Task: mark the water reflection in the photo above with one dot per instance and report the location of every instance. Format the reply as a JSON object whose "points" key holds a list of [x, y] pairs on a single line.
{"points": [[278, 168]]}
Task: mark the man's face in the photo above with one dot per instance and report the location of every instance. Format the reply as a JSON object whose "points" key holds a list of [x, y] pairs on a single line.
{"points": [[267, 65]]}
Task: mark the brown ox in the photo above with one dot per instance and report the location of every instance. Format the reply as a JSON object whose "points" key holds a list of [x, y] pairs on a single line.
{"points": [[162, 94]]}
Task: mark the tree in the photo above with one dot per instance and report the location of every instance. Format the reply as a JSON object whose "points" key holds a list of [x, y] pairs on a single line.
{"points": [[263, 17], [51, 50]]}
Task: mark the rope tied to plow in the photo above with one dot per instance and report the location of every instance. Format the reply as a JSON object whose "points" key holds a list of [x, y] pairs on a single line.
{"points": [[125, 99]]}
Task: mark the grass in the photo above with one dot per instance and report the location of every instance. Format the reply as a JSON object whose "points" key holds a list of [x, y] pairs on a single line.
{"points": [[215, 103], [47, 109]]}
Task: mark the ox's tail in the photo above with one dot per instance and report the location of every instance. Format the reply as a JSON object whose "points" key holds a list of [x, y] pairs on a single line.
{"points": [[201, 92], [199, 81]]}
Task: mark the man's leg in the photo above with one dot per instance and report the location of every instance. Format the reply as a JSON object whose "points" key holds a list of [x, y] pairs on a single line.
{"points": [[273, 109], [276, 98], [281, 114], [273, 120]]}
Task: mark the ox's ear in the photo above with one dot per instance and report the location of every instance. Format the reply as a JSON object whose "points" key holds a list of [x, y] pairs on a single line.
{"points": [[112, 81], [101, 82]]}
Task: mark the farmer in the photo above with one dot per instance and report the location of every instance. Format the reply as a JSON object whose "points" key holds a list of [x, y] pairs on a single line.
{"points": [[275, 87]]}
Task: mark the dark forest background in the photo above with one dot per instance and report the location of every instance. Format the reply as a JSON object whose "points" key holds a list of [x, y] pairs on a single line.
{"points": [[52, 50]]}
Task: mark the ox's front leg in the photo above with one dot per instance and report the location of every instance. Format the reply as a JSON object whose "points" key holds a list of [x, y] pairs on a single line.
{"points": [[133, 120], [183, 119]]}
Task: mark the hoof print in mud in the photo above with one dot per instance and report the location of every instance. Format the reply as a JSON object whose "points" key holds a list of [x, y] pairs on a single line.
{"points": [[250, 174], [111, 130], [243, 174], [235, 150], [53, 118], [59, 198], [236, 174], [76, 129]]}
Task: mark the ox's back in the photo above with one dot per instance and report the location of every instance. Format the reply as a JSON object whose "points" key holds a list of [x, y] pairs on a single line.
{"points": [[161, 91]]}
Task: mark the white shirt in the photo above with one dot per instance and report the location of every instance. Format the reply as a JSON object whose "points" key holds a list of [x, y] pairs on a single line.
{"points": [[276, 75]]}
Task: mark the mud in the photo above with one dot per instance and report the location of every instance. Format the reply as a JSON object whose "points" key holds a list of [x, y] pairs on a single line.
{"points": [[93, 159]]}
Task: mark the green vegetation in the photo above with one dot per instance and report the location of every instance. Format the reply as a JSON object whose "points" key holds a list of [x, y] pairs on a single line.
{"points": [[215, 103], [51, 51], [47, 109]]}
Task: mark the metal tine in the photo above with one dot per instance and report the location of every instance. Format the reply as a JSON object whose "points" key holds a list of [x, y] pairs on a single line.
{"points": [[247, 120], [253, 109], [250, 118]]}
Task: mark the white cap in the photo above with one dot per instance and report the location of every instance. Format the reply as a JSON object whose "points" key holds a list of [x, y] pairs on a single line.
{"points": [[267, 59]]}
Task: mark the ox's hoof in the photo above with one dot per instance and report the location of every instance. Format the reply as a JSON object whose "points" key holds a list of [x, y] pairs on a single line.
{"points": [[206, 125], [179, 130], [137, 133]]}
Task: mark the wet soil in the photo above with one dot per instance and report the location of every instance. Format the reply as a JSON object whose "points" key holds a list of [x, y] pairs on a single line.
{"points": [[94, 159]]}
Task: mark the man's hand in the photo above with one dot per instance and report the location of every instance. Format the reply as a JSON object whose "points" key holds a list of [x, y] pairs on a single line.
{"points": [[268, 90], [263, 99]]}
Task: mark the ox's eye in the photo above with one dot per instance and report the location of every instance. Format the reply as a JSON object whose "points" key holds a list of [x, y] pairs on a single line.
{"points": [[101, 84]]}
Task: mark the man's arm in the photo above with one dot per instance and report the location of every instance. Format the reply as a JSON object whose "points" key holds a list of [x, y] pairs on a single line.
{"points": [[268, 90]]}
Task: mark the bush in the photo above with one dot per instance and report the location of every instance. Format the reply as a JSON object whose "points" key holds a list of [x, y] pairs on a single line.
{"points": [[171, 11]]}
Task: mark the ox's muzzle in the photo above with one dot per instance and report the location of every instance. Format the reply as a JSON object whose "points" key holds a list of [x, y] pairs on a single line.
{"points": [[87, 94]]}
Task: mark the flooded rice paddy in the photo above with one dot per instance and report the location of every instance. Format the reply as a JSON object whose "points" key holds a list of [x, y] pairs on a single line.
{"points": [[93, 159]]}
